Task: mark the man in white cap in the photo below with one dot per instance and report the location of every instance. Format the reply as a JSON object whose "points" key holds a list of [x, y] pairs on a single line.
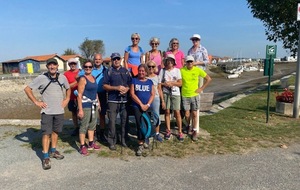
{"points": [[71, 76], [190, 92]]}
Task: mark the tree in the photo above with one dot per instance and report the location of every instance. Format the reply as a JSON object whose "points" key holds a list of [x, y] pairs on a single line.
{"points": [[280, 19], [89, 47], [69, 51]]}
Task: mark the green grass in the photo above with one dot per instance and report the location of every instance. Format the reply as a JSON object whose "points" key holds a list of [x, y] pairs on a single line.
{"points": [[239, 129]]}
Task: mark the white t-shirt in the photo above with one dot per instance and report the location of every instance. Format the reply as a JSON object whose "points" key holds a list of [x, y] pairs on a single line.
{"points": [[172, 75]]}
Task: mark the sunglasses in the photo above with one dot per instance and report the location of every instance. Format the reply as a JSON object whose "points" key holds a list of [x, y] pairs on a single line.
{"points": [[72, 63], [175, 43], [134, 38], [116, 58], [189, 61], [151, 66], [88, 67], [155, 44], [195, 40]]}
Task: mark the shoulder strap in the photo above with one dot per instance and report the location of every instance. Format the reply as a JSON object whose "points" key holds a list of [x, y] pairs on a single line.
{"points": [[51, 80], [163, 75]]}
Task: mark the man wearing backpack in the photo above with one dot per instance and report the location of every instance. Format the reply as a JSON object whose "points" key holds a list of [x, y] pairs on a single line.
{"points": [[98, 73], [53, 101]]}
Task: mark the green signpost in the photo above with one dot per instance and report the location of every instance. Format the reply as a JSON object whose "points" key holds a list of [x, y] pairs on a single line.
{"points": [[268, 71]]}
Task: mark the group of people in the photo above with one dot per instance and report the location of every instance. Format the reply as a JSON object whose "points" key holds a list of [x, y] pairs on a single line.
{"points": [[147, 82]]}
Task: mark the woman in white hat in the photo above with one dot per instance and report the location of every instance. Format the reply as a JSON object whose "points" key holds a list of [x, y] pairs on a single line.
{"points": [[198, 52]]}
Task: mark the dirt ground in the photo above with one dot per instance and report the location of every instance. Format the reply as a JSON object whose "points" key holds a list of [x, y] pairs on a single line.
{"points": [[16, 105]]}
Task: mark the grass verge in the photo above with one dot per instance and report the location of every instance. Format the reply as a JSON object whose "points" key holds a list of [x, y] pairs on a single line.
{"points": [[238, 129]]}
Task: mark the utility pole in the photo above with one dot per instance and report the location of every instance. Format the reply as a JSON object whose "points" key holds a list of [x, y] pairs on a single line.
{"points": [[297, 83]]}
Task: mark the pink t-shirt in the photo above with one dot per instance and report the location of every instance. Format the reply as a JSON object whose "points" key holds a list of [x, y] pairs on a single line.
{"points": [[178, 56], [157, 59]]}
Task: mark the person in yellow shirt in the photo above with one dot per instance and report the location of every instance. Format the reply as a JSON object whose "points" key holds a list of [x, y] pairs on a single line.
{"points": [[190, 92]]}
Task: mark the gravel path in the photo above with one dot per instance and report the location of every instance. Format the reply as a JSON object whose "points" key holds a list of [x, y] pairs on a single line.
{"points": [[20, 168]]}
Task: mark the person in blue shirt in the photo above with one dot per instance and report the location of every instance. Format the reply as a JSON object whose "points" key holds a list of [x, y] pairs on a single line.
{"points": [[98, 73], [142, 93]]}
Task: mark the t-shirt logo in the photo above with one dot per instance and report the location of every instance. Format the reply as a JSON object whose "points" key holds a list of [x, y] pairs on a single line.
{"points": [[142, 88]]}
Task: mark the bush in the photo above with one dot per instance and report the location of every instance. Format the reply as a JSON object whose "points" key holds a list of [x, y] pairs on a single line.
{"points": [[286, 96]]}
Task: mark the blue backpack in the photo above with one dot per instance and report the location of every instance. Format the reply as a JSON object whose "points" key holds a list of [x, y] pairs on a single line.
{"points": [[147, 126]]}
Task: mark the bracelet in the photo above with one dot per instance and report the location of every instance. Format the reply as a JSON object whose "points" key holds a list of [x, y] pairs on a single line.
{"points": [[148, 105]]}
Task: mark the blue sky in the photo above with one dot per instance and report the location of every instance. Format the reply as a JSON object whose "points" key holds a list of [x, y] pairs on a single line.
{"points": [[38, 27]]}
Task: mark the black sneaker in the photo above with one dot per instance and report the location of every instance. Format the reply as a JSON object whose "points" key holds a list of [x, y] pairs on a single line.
{"points": [[46, 164], [56, 155]]}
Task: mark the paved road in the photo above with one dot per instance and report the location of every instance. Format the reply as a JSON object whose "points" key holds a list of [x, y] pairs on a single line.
{"points": [[223, 87], [274, 169]]}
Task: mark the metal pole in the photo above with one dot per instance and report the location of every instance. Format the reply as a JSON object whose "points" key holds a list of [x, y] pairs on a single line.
{"points": [[297, 83], [269, 88]]}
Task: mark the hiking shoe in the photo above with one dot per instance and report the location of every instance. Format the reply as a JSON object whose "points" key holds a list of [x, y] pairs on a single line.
{"points": [[84, 151], [180, 137], [139, 151], [75, 132], [158, 138], [146, 143], [168, 135], [46, 164], [187, 129], [112, 147], [94, 147], [56, 155], [194, 136]]}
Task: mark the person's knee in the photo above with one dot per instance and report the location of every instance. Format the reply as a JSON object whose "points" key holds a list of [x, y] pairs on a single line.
{"points": [[177, 114]]}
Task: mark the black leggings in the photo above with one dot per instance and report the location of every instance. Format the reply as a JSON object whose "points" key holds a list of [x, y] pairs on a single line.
{"points": [[138, 114]]}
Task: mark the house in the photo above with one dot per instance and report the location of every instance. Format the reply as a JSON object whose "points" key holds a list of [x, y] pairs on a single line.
{"points": [[42, 59], [31, 64]]}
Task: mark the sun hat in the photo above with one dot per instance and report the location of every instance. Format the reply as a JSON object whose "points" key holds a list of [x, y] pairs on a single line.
{"points": [[195, 36], [170, 56]]}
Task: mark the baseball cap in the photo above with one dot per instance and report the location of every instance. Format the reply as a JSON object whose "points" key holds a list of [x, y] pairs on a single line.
{"points": [[189, 58], [195, 36], [170, 56], [114, 55], [72, 60], [54, 61]]}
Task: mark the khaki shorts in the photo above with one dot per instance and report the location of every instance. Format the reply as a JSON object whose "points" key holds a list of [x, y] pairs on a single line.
{"points": [[172, 102], [191, 103]]}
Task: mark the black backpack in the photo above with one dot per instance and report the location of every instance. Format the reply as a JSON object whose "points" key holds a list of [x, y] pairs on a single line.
{"points": [[52, 80]]}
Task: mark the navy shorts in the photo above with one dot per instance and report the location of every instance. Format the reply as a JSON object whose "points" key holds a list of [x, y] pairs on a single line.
{"points": [[103, 102], [50, 123]]}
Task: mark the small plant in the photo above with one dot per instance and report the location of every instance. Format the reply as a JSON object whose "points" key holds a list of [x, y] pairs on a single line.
{"points": [[286, 96]]}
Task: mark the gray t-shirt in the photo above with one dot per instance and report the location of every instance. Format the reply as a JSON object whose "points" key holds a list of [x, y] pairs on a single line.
{"points": [[53, 95]]}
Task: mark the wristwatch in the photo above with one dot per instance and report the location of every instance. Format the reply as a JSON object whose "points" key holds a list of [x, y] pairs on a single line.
{"points": [[148, 105]]}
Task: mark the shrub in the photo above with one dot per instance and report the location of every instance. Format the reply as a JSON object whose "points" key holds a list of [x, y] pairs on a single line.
{"points": [[286, 96]]}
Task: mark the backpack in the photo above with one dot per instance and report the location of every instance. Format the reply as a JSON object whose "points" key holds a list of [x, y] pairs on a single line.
{"points": [[52, 80], [147, 126]]}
